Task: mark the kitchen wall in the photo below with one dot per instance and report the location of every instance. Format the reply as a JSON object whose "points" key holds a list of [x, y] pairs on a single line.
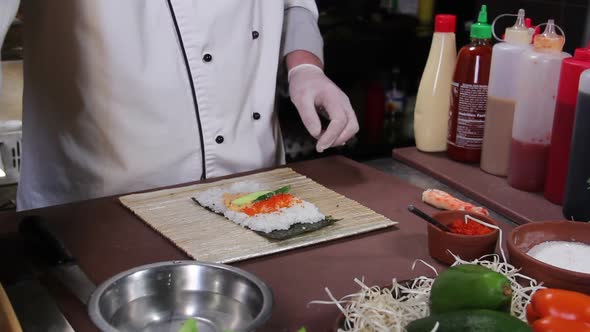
{"points": [[12, 73], [11, 90]]}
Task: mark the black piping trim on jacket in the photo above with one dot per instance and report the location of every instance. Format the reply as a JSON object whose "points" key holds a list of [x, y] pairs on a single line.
{"points": [[190, 78]]}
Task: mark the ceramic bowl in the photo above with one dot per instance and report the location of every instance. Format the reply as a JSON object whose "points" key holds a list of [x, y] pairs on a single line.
{"points": [[468, 247], [524, 237]]}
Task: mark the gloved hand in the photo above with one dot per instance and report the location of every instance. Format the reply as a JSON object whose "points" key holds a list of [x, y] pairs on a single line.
{"points": [[310, 89]]}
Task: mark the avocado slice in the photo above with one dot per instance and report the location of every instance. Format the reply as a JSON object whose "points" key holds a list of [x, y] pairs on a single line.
{"points": [[245, 200]]}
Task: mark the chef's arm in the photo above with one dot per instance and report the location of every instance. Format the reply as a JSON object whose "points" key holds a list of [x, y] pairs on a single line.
{"points": [[309, 87], [302, 41]]}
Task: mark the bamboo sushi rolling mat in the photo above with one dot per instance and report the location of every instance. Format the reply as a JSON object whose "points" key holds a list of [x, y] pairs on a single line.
{"points": [[206, 236]]}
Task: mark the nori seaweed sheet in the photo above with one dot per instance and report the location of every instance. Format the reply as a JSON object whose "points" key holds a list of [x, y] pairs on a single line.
{"points": [[284, 234], [298, 229]]}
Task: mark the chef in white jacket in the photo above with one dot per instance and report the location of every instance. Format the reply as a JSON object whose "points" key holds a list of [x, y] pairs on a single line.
{"points": [[129, 95]]}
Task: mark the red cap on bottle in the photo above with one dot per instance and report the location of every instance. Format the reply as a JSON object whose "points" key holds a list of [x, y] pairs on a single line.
{"points": [[445, 23], [571, 69], [582, 54]]}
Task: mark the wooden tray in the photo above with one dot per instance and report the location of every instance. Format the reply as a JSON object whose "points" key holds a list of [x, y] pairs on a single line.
{"points": [[209, 237], [492, 191]]}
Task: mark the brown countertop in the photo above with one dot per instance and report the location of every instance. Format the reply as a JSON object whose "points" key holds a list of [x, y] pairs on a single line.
{"points": [[107, 239]]}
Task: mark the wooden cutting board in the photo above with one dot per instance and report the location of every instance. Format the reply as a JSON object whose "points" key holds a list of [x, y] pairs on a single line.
{"points": [[207, 236]]}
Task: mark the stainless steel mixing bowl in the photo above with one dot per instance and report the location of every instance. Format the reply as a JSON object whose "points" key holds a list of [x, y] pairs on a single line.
{"points": [[162, 296]]}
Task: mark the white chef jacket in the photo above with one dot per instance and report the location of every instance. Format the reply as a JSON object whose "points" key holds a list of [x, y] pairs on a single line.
{"points": [[123, 96]]}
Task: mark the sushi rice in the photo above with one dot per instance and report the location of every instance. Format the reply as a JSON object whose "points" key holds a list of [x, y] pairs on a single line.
{"points": [[282, 219]]}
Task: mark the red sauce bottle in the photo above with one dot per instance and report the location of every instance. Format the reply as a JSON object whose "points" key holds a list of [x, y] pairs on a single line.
{"points": [[563, 124], [469, 94], [536, 87]]}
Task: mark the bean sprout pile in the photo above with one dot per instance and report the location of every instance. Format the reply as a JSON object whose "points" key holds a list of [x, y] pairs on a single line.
{"points": [[385, 309]]}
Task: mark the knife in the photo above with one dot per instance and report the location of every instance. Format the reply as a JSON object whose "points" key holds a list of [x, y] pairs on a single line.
{"points": [[62, 264], [35, 309]]}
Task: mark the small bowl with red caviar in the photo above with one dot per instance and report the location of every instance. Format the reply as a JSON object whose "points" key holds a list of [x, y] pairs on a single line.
{"points": [[467, 238]]}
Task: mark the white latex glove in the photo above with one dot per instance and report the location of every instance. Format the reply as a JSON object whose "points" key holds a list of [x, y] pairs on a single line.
{"points": [[311, 89]]}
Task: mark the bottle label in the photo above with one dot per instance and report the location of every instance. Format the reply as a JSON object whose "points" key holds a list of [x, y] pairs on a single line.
{"points": [[466, 127], [394, 101], [394, 110]]}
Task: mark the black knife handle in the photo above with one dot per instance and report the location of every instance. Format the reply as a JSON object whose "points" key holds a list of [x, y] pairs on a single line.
{"points": [[44, 241]]}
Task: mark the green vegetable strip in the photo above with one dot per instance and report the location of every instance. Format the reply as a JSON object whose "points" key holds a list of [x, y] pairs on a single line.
{"points": [[282, 190], [190, 325]]}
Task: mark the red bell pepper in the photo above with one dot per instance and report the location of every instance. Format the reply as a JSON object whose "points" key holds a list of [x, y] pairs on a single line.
{"points": [[557, 310], [556, 324]]}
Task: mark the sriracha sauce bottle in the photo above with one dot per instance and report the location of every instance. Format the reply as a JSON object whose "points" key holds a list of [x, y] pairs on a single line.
{"points": [[469, 93]]}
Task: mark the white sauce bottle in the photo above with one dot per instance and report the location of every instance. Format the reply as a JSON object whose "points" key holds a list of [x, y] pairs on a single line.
{"points": [[431, 115], [502, 97], [536, 89]]}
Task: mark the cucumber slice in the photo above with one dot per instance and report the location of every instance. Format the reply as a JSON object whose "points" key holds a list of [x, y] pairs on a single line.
{"points": [[282, 190]]}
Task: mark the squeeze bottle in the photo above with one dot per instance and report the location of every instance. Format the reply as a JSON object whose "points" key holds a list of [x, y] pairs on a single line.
{"points": [[538, 77], [576, 204], [563, 123], [431, 113], [467, 111], [502, 97]]}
